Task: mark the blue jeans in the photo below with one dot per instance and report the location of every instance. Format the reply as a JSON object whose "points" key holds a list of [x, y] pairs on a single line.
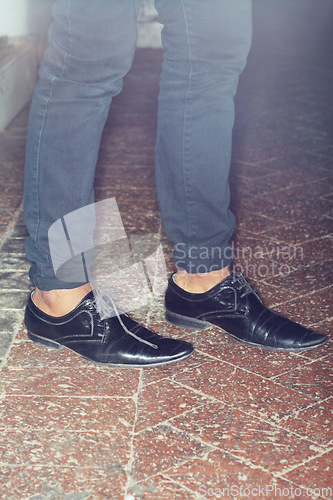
{"points": [[91, 48]]}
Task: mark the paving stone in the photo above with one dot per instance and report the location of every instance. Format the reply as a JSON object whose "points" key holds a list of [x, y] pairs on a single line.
{"points": [[13, 300], [5, 343], [14, 262], [10, 320]]}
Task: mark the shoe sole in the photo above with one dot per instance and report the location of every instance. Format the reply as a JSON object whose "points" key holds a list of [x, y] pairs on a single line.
{"points": [[199, 325], [54, 345]]}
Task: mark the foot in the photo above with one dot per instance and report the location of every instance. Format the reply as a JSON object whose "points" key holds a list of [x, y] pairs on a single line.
{"points": [[200, 282], [118, 341], [59, 302], [234, 307]]}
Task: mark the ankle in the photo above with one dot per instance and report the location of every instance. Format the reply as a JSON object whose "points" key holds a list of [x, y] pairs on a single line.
{"points": [[200, 282], [59, 302]]}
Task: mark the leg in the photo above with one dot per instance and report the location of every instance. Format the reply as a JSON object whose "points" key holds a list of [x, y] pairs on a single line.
{"points": [[205, 51], [91, 48]]}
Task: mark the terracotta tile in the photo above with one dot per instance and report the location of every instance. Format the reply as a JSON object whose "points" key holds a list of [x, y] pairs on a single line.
{"points": [[6, 215], [315, 474], [310, 308], [316, 251], [263, 362], [144, 222], [113, 177], [292, 257], [88, 381], [14, 262], [158, 487], [313, 423], [162, 448], [175, 370], [293, 211], [162, 401], [262, 268], [327, 349], [10, 202], [254, 222], [271, 295], [10, 299], [75, 449], [27, 355], [13, 245], [314, 379], [11, 280], [302, 191], [240, 388], [58, 413], [243, 186], [64, 481], [252, 170], [301, 231], [5, 343], [219, 470], [127, 156], [10, 320], [306, 279], [246, 437], [255, 154]]}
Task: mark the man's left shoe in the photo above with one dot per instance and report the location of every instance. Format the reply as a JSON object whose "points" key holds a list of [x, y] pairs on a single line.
{"points": [[234, 307]]}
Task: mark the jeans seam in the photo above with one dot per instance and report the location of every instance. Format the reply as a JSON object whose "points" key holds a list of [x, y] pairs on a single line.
{"points": [[185, 118], [42, 128]]}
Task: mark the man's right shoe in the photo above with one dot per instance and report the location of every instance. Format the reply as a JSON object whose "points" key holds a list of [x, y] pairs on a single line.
{"points": [[118, 341], [234, 307]]}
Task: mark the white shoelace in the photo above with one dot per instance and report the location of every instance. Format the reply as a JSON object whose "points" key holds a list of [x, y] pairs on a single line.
{"points": [[106, 308]]}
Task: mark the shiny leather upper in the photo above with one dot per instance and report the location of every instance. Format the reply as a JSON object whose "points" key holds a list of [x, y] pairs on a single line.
{"points": [[104, 341], [234, 306]]}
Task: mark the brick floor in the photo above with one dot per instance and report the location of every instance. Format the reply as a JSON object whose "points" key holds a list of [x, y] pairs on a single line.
{"points": [[229, 416]]}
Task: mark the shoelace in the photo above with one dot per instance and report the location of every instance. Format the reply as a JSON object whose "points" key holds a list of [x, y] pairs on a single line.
{"points": [[106, 308], [242, 285]]}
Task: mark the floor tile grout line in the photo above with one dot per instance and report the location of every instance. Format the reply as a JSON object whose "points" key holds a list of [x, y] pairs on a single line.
{"points": [[300, 367], [312, 292], [281, 188], [283, 428], [236, 408], [14, 333], [249, 463], [168, 422], [199, 497], [203, 394], [252, 415], [258, 374], [48, 397], [150, 311], [130, 464], [186, 488], [211, 448], [147, 478], [306, 461], [286, 302]]}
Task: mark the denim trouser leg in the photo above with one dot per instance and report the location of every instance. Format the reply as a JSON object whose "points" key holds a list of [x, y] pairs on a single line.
{"points": [[206, 46], [92, 44]]}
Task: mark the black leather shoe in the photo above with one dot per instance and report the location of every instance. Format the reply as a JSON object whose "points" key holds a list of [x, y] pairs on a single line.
{"points": [[117, 341], [233, 306]]}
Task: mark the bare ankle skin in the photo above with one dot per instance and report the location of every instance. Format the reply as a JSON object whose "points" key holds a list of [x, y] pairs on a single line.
{"points": [[61, 301], [200, 282]]}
